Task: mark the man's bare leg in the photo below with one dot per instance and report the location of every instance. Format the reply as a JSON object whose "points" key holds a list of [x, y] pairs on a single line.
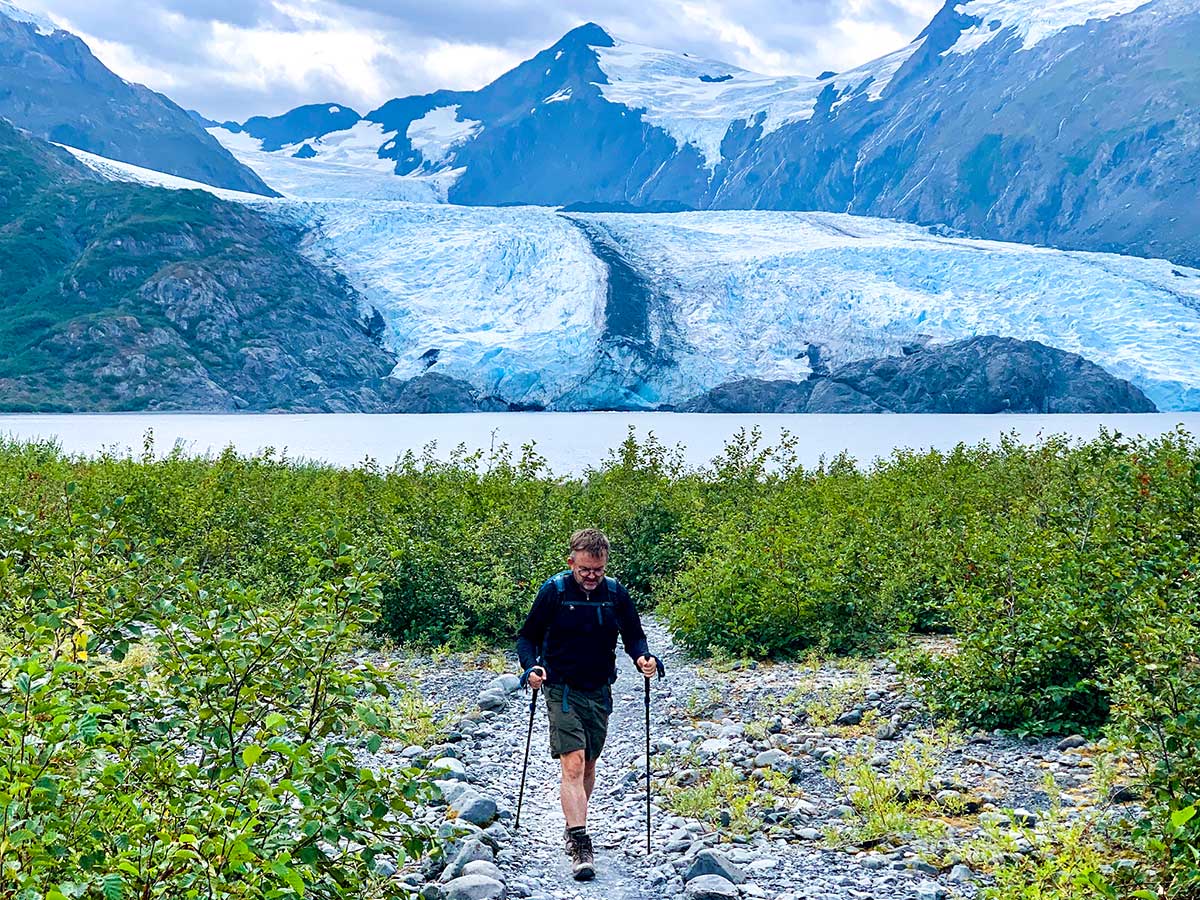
{"points": [[589, 777], [575, 790]]}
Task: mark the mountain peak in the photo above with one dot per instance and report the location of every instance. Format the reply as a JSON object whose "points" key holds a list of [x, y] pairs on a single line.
{"points": [[40, 23], [587, 35]]}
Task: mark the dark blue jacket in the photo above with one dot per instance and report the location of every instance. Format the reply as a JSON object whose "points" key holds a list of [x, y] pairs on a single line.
{"points": [[576, 641]]}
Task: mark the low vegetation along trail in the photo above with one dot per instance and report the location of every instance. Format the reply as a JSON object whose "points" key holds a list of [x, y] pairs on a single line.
{"points": [[783, 781]]}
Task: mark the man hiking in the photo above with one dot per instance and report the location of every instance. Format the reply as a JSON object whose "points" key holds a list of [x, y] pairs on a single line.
{"points": [[567, 647]]}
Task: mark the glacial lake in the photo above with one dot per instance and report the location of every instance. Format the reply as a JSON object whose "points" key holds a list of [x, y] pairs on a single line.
{"points": [[571, 442]]}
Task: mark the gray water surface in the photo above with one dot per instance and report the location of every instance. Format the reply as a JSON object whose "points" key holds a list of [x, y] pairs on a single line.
{"points": [[571, 442]]}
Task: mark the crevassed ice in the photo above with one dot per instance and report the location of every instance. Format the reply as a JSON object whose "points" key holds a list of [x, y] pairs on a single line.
{"points": [[514, 298], [667, 87], [439, 131], [1033, 20]]}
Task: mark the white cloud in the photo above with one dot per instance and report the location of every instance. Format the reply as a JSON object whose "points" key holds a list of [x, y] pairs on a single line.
{"points": [[465, 66]]}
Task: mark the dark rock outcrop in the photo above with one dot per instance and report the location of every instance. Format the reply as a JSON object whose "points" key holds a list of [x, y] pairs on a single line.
{"points": [[977, 376], [435, 393]]}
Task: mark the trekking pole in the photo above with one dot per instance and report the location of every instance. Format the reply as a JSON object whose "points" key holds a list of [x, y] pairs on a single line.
{"points": [[528, 741], [661, 673]]}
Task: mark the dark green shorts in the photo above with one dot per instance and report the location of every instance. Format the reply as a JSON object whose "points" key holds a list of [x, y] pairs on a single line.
{"points": [[585, 723]]}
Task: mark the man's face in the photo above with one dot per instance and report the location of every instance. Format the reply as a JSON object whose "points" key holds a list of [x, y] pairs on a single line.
{"points": [[587, 568]]}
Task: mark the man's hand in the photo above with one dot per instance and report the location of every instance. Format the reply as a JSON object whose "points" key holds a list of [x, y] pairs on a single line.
{"points": [[537, 675], [648, 665]]}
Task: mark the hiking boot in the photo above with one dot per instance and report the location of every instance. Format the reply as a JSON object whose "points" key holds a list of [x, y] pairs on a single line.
{"points": [[583, 861]]}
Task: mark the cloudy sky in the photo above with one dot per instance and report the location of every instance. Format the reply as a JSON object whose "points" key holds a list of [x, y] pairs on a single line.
{"points": [[231, 59]]}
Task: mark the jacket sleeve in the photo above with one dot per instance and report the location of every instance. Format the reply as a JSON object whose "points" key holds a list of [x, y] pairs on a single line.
{"points": [[632, 634], [532, 633]]}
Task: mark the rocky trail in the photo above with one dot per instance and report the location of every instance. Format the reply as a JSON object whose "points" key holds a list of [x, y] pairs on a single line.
{"points": [[748, 753]]}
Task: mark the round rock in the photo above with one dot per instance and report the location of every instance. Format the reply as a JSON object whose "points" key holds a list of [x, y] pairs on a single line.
{"points": [[711, 887], [475, 887]]}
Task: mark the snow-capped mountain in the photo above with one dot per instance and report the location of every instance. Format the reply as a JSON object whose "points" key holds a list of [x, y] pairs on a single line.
{"points": [[1065, 122], [52, 86]]}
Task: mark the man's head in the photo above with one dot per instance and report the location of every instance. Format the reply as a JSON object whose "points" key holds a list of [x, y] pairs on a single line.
{"points": [[588, 557]]}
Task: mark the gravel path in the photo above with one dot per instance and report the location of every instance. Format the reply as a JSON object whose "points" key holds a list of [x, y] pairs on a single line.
{"points": [[788, 719]]}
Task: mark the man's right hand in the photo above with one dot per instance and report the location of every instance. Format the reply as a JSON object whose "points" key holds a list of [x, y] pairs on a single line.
{"points": [[537, 675]]}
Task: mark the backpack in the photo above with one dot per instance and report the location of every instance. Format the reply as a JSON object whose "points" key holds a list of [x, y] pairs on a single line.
{"points": [[560, 586]]}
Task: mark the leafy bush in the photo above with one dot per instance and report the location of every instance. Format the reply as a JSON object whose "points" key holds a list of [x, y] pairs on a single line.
{"points": [[167, 735]]}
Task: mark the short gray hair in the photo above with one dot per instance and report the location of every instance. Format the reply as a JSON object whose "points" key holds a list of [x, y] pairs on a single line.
{"points": [[591, 541]]}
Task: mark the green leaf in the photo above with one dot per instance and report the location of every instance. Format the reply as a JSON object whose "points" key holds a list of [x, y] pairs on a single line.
{"points": [[113, 886], [295, 882], [274, 721], [251, 755], [1145, 895], [1181, 817]]}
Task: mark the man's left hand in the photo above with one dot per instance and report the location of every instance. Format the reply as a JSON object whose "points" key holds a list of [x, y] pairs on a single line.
{"points": [[648, 665]]}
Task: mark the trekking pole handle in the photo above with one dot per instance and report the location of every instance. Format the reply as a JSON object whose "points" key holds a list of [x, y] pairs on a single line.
{"points": [[525, 675]]}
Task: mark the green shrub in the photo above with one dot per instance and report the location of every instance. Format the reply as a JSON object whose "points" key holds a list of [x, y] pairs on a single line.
{"points": [[168, 735]]}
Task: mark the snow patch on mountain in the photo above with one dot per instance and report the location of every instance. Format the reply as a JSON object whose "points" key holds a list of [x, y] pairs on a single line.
{"points": [[40, 23], [696, 100], [1033, 21], [114, 170], [439, 131], [347, 165]]}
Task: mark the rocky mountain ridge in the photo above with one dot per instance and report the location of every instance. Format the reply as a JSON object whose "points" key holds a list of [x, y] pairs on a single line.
{"points": [[52, 86]]}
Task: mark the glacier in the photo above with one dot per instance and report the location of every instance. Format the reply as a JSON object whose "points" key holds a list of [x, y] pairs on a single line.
{"points": [[523, 302], [1033, 22]]}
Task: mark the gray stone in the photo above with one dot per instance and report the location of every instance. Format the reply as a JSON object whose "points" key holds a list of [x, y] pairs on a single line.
{"points": [[454, 770], [1072, 742], [775, 759], [505, 684], [474, 887], [854, 717], [492, 701], [713, 746], [961, 874], [711, 887], [713, 862], [471, 850], [451, 789], [984, 374], [931, 890], [485, 868], [475, 808]]}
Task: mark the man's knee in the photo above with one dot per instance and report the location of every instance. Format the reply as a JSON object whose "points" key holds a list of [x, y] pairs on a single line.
{"points": [[573, 765]]}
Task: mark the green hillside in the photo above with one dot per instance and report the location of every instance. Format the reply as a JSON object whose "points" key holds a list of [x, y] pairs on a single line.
{"points": [[122, 297]]}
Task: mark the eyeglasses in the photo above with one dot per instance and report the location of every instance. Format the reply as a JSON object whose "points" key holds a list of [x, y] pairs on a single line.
{"points": [[585, 572]]}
